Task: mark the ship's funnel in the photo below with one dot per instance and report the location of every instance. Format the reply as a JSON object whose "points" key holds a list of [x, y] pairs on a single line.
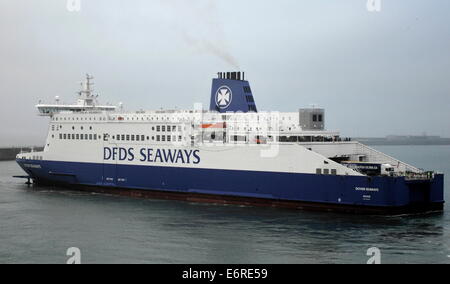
{"points": [[231, 93]]}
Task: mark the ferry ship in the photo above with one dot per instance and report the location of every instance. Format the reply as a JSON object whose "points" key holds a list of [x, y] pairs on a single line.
{"points": [[230, 153]]}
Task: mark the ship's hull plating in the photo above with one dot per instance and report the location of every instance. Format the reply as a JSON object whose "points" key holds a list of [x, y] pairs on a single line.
{"points": [[387, 195]]}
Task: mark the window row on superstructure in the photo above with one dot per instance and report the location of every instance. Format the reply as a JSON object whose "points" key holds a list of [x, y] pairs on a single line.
{"points": [[60, 127], [181, 116], [141, 138], [167, 128], [78, 136], [121, 137], [326, 172], [82, 118]]}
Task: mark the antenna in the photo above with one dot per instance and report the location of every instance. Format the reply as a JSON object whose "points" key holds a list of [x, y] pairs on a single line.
{"points": [[88, 83], [86, 96]]}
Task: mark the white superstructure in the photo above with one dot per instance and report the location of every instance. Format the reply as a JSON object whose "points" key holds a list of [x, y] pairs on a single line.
{"points": [[252, 141]]}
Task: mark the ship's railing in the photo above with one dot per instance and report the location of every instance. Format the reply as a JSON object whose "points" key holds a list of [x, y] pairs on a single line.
{"points": [[29, 149], [26, 150], [376, 156]]}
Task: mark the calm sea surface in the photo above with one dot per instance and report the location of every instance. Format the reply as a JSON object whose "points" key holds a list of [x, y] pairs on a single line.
{"points": [[38, 225]]}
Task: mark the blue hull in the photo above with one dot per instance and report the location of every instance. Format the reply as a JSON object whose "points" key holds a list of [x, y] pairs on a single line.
{"points": [[381, 194]]}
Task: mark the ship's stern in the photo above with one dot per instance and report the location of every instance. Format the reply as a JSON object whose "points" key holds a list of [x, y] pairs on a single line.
{"points": [[421, 193], [426, 194]]}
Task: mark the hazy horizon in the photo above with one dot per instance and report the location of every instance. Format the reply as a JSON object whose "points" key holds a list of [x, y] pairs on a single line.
{"points": [[376, 73]]}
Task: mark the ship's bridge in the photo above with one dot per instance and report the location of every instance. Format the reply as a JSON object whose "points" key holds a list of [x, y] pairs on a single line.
{"points": [[87, 102]]}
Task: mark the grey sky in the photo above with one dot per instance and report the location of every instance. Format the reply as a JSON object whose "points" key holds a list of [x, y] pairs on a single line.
{"points": [[375, 73]]}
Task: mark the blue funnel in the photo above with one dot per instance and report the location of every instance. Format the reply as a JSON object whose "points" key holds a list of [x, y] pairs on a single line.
{"points": [[231, 93]]}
